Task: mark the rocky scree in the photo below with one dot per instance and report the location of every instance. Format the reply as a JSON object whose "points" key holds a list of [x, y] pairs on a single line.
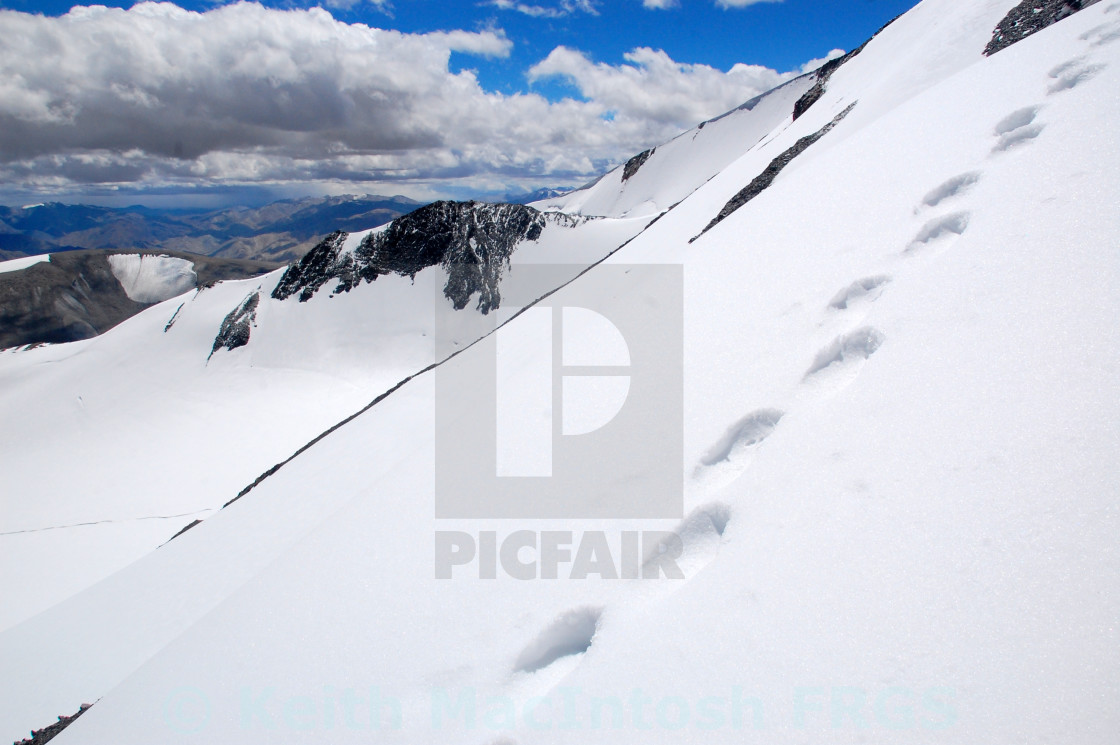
{"points": [[1028, 17]]}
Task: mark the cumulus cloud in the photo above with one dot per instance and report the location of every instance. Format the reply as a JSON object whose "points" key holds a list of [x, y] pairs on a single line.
{"points": [[659, 4], [654, 88], [241, 94]]}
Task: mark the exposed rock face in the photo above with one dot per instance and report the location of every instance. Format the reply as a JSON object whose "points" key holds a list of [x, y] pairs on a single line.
{"points": [[234, 332], [763, 180], [472, 241], [1030, 16], [318, 266], [635, 163], [48, 733]]}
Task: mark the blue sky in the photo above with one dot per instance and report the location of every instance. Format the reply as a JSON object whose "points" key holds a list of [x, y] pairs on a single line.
{"points": [[517, 63], [780, 35]]}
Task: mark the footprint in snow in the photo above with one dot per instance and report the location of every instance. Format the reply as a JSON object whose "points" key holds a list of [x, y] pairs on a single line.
{"points": [[570, 635], [1017, 128], [939, 229], [730, 456], [954, 187], [1069, 64], [1106, 33], [838, 364], [689, 547], [1073, 77], [866, 290], [682, 552], [697, 541]]}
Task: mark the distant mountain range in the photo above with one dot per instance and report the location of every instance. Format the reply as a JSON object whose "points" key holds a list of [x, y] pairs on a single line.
{"points": [[278, 232], [107, 264], [536, 196]]}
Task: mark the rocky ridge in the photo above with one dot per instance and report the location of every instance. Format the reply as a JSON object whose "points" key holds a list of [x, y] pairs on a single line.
{"points": [[472, 241]]}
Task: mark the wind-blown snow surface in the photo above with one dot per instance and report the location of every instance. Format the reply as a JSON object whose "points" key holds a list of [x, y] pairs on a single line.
{"points": [[904, 468]]}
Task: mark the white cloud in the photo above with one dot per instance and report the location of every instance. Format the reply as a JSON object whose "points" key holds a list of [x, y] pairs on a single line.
{"points": [[742, 3], [564, 8], [659, 4], [655, 89], [485, 44], [156, 96], [813, 64], [535, 11]]}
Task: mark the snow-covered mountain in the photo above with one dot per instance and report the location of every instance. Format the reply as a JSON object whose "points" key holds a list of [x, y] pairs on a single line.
{"points": [[899, 444], [56, 298], [268, 362]]}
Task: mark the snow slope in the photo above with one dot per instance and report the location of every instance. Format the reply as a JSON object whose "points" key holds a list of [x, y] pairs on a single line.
{"points": [[901, 508], [125, 438], [674, 170]]}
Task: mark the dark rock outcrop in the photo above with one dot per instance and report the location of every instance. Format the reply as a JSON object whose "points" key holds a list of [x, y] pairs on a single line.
{"points": [[635, 163], [182, 530], [48, 733], [472, 241], [825, 71], [763, 180], [234, 332], [1028, 17], [174, 316], [317, 267]]}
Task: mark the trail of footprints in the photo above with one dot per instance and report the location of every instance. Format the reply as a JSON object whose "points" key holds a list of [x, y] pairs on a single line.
{"points": [[841, 359], [702, 530]]}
